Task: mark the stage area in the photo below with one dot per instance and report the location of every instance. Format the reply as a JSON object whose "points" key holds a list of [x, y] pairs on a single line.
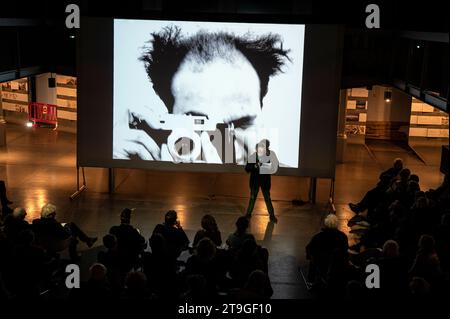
{"points": [[38, 166]]}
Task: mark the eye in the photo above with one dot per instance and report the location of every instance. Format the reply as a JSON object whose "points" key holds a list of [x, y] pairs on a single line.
{"points": [[243, 122]]}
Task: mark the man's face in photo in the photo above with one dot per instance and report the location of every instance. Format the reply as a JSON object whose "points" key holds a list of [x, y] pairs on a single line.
{"points": [[218, 75], [225, 90]]}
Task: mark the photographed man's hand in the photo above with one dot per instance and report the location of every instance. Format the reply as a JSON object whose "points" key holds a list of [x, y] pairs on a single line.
{"points": [[132, 142]]}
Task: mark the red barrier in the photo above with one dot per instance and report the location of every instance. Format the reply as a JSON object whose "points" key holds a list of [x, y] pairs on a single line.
{"points": [[41, 113]]}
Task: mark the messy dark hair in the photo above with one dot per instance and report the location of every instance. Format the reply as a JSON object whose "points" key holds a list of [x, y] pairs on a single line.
{"points": [[168, 48]]}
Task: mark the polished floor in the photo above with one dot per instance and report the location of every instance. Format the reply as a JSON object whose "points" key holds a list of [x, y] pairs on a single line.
{"points": [[38, 166]]}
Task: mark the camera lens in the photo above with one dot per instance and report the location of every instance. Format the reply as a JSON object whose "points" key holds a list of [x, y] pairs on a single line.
{"points": [[184, 146]]}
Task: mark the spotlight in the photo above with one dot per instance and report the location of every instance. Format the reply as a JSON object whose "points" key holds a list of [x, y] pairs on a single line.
{"points": [[29, 124], [72, 36], [387, 96], [418, 46]]}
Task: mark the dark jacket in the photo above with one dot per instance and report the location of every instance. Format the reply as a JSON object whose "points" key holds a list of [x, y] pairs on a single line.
{"points": [[326, 242], [176, 238], [50, 227], [129, 244], [253, 167]]}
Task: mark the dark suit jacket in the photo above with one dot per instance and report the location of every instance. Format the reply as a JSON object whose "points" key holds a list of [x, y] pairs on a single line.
{"points": [[256, 178]]}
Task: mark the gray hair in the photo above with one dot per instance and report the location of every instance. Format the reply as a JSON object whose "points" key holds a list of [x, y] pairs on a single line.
{"points": [[331, 221], [19, 212]]}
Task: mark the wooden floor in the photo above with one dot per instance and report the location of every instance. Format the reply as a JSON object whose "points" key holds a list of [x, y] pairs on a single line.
{"points": [[38, 166]]}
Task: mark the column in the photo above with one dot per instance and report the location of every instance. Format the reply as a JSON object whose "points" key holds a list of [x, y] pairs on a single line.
{"points": [[341, 141]]}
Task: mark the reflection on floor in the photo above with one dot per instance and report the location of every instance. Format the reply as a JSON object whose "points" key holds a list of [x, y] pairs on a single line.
{"points": [[38, 166]]}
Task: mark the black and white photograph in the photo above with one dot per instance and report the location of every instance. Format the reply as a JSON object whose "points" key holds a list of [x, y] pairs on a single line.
{"points": [[206, 92]]}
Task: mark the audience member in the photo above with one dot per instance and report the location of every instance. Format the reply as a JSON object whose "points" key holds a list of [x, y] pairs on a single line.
{"points": [[322, 247], [15, 223], [173, 233], [237, 239], [130, 243], [55, 236], [209, 230]]}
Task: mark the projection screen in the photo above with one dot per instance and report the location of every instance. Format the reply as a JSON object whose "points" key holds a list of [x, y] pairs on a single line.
{"points": [[198, 96]]}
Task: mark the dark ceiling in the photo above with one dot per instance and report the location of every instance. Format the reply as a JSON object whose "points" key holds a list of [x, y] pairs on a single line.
{"points": [[410, 48]]}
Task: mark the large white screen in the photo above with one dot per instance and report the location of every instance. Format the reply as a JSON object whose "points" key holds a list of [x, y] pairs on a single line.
{"points": [[176, 79]]}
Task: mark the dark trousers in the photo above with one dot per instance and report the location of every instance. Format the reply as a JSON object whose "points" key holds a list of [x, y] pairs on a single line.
{"points": [[254, 194]]}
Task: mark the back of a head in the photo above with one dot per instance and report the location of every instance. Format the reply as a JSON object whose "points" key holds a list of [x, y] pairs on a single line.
{"points": [[426, 244], [97, 272], [331, 222], [242, 224], [390, 249], [398, 164], [413, 187], [405, 174], [170, 218], [19, 213], [209, 223], [48, 211], [206, 250], [414, 177], [125, 215]]}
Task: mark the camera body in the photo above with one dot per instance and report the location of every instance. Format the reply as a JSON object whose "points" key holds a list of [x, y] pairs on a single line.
{"points": [[184, 142], [179, 135], [189, 122]]}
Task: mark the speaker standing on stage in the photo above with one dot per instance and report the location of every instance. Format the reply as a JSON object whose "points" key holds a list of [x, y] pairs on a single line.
{"points": [[261, 165]]}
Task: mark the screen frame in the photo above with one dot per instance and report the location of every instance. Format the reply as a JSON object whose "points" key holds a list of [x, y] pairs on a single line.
{"points": [[88, 157]]}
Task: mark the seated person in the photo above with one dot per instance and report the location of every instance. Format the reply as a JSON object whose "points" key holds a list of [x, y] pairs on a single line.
{"points": [[394, 270], [204, 262], [209, 230], [236, 239], [340, 272], [322, 246], [160, 267], [393, 171], [130, 243], [15, 223], [136, 287], [173, 233], [30, 267], [96, 288], [248, 258], [399, 187], [374, 196], [55, 237], [427, 264], [111, 260]]}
